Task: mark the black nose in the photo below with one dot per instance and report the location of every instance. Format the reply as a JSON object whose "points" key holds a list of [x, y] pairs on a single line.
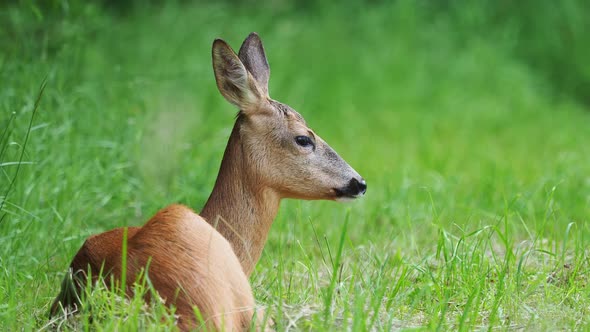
{"points": [[353, 189], [357, 187]]}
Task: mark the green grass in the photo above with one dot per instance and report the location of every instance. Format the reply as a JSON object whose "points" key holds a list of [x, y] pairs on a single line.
{"points": [[478, 201]]}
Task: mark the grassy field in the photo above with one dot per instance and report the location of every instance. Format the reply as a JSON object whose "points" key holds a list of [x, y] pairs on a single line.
{"points": [[478, 169]]}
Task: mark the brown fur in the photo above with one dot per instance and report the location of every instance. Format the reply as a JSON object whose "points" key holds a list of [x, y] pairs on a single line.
{"points": [[204, 261], [192, 253], [201, 269]]}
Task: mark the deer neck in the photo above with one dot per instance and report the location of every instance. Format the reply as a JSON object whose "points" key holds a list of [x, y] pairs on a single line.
{"points": [[239, 207]]}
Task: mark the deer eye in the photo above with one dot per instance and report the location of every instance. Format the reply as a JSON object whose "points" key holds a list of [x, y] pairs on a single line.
{"points": [[303, 141]]}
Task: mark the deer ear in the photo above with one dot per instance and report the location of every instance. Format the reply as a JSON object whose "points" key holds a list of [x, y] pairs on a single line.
{"points": [[253, 57], [234, 81]]}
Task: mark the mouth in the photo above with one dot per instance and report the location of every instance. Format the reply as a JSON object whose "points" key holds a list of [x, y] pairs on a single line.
{"points": [[342, 196]]}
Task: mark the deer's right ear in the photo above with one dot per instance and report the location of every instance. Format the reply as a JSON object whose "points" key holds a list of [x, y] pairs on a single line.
{"points": [[254, 59], [235, 83]]}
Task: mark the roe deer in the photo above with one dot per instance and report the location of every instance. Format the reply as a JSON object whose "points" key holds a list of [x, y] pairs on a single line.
{"points": [[271, 154]]}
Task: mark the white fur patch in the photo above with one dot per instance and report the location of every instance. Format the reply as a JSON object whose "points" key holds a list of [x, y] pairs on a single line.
{"points": [[239, 76], [348, 199]]}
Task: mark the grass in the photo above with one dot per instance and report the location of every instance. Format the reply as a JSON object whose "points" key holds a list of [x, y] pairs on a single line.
{"points": [[476, 216]]}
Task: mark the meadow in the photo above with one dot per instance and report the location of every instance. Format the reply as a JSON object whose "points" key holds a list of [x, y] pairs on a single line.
{"points": [[477, 165]]}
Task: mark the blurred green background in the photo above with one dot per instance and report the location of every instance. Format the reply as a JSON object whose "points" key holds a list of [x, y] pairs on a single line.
{"points": [[469, 121]]}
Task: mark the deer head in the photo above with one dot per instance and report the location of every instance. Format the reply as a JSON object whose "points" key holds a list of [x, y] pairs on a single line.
{"points": [[282, 152]]}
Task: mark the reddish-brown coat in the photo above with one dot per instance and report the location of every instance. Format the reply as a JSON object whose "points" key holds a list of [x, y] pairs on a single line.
{"points": [[180, 250]]}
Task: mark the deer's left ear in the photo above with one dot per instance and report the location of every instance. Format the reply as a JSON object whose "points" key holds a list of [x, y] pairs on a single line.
{"points": [[234, 81], [253, 57]]}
